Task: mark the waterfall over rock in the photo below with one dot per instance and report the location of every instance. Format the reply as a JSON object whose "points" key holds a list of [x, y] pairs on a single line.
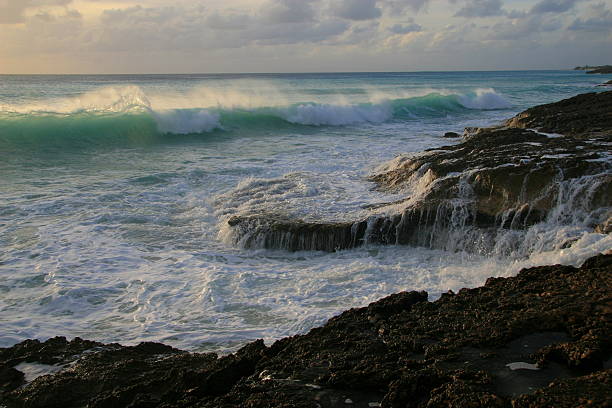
{"points": [[503, 191]]}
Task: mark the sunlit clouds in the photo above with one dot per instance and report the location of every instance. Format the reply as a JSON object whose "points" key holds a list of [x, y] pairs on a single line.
{"points": [[154, 36]]}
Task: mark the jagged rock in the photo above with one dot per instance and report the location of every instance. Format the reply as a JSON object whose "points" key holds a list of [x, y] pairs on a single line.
{"points": [[507, 177], [584, 116], [605, 227], [401, 351]]}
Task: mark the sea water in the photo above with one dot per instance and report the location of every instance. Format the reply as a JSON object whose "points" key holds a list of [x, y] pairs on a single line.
{"points": [[115, 193]]}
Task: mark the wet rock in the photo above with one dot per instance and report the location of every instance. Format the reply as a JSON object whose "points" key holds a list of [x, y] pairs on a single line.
{"points": [[451, 135], [583, 116], [507, 178], [588, 391], [401, 351], [605, 227]]}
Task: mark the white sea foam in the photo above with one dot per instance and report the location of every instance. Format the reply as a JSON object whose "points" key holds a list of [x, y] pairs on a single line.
{"points": [[121, 245], [198, 109], [484, 99]]}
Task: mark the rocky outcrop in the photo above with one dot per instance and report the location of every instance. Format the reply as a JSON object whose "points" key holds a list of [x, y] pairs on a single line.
{"points": [[605, 69], [539, 339], [583, 116], [503, 178], [609, 83]]}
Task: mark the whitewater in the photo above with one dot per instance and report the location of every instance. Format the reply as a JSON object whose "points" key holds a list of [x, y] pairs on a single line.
{"points": [[116, 191]]}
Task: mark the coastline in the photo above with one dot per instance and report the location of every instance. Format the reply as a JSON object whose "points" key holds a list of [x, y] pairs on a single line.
{"points": [[398, 351], [538, 339]]}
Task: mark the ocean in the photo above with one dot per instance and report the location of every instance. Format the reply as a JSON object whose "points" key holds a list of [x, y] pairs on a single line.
{"points": [[115, 192]]}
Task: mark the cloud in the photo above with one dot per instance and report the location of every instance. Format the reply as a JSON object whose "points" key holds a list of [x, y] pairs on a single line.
{"points": [[553, 6], [400, 6], [356, 9], [277, 35], [296, 33], [481, 8], [12, 11], [287, 11], [405, 28], [530, 27], [599, 21], [232, 21]]}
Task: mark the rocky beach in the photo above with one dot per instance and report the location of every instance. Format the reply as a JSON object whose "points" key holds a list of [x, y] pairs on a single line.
{"points": [[539, 339]]}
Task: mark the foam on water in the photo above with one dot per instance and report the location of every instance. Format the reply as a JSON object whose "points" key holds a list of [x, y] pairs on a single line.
{"points": [[202, 110], [121, 243]]}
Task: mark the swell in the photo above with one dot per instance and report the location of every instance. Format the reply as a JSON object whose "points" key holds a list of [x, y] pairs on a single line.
{"points": [[132, 120]]}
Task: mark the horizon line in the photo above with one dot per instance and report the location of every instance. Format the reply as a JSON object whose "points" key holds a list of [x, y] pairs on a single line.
{"points": [[292, 72]]}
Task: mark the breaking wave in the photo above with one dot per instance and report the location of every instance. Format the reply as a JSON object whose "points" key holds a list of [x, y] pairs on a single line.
{"points": [[128, 116]]}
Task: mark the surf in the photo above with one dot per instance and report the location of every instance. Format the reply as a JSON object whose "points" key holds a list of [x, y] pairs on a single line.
{"points": [[128, 116]]}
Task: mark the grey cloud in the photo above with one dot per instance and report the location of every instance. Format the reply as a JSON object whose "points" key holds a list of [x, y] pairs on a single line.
{"points": [[12, 11], [516, 14], [553, 6], [176, 28], [405, 28], [227, 21], [481, 8], [601, 22], [356, 9], [287, 11], [364, 34], [400, 6], [524, 28], [298, 33]]}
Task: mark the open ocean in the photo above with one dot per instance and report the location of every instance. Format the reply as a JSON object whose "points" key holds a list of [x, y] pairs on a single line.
{"points": [[115, 193]]}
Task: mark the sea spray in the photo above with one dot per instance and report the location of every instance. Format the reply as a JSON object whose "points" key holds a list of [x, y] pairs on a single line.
{"points": [[109, 226], [113, 115]]}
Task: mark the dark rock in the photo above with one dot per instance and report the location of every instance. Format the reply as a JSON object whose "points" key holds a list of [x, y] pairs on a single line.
{"points": [[583, 116], [507, 177], [401, 351], [512, 177], [605, 69], [605, 227], [609, 83], [588, 391], [451, 135]]}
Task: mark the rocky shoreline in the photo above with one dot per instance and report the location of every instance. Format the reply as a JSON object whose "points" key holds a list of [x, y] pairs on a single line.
{"points": [[540, 339], [499, 179]]}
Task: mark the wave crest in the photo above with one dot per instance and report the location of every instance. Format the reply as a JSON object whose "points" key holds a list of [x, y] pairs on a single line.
{"points": [[484, 99], [119, 113]]}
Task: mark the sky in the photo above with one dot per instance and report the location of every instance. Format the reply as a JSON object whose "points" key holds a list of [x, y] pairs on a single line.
{"points": [[229, 36]]}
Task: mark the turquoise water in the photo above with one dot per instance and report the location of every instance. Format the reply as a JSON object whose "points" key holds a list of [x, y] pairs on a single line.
{"points": [[114, 192]]}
